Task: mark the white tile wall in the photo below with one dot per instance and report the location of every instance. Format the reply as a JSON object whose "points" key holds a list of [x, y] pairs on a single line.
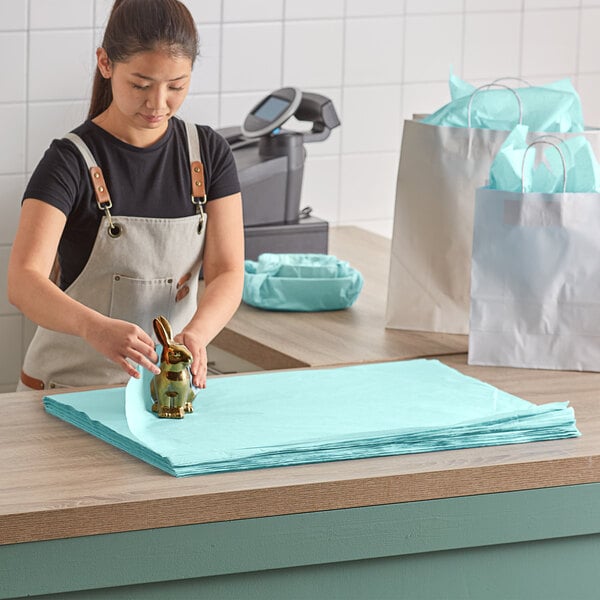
{"points": [[588, 87], [423, 98], [550, 4], [204, 11], [314, 9], [380, 61], [13, 14], [320, 189], [71, 52], [11, 191], [493, 5], [367, 186], [13, 126], [252, 10], [362, 8], [61, 14], [49, 120], [373, 50], [252, 56], [589, 40], [235, 106], [434, 6], [202, 108], [484, 34], [207, 68], [321, 62], [372, 119], [433, 44], [12, 72], [101, 11], [550, 42], [5, 307]]}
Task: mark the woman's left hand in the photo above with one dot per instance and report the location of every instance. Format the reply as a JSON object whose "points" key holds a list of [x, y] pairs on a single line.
{"points": [[199, 364]]}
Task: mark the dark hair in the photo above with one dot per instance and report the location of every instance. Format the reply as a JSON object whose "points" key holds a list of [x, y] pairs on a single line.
{"points": [[141, 26]]}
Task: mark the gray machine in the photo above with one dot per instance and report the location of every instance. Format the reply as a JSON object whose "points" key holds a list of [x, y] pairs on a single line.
{"points": [[270, 164]]}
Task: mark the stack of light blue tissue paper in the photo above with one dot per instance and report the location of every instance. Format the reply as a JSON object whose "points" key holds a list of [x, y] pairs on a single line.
{"points": [[308, 416], [554, 107], [514, 169]]}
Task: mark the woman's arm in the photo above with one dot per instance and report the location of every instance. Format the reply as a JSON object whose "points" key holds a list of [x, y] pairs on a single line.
{"points": [[38, 298], [223, 269]]}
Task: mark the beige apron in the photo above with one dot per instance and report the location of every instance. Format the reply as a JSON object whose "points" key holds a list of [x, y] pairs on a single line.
{"points": [[139, 268]]}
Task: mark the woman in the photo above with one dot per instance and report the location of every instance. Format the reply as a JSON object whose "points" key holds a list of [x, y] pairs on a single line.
{"points": [[133, 203]]}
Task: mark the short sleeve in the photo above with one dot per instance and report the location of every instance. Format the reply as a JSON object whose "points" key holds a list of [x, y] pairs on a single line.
{"points": [[57, 178], [220, 164]]}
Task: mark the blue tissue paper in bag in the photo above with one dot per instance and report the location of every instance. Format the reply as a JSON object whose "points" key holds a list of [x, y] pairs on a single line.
{"points": [[553, 107], [544, 173]]}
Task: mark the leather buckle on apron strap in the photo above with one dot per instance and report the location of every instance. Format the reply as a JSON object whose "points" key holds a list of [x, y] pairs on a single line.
{"points": [[103, 200], [31, 382], [198, 191]]}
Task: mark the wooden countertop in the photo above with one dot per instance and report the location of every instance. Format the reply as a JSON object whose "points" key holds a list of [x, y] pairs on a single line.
{"points": [[283, 340], [57, 481]]}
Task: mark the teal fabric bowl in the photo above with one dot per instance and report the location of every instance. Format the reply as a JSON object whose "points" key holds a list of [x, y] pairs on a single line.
{"points": [[300, 282]]}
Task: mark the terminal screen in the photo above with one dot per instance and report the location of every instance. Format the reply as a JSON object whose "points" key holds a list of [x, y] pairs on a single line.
{"points": [[271, 108]]}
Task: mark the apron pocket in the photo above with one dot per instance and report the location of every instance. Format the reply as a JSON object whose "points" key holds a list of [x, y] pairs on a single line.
{"points": [[141, 300]]}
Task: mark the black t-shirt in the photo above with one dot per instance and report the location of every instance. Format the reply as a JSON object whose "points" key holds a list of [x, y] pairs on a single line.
{"points": [[142, 182]]}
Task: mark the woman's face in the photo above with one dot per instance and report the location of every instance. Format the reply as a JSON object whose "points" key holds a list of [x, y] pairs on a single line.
{"points": [[148, 89]]}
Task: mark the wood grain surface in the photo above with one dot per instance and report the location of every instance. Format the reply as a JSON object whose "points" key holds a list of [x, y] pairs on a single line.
{"points": [[280, 340], [57, 481]]}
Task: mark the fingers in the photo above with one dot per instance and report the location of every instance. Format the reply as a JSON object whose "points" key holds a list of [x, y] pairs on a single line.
{"points": [[139, 348], [199, 375], [128, 368], [145, 361], [125, 361], [202, 369], [198, 367], [125, 344]]}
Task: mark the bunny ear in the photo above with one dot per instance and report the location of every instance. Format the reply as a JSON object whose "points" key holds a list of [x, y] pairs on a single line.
{"points": [[167, 327], [160, 331]]}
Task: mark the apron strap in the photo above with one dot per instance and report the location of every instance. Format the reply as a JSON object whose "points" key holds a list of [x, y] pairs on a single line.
{"points": [[197, 172], [197, 168], [98, 182], [198, 188]]}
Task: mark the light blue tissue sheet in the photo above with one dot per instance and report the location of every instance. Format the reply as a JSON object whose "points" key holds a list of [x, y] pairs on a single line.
{"points": [[300, 282], [553, 106], [515, 168], [283, 418]]}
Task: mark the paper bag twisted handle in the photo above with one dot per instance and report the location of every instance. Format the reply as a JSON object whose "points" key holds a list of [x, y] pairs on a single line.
{"points": [[487, 86], [544, 139]]}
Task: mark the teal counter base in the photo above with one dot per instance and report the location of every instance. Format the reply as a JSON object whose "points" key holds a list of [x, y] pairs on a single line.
{"points": [[529, 544]]}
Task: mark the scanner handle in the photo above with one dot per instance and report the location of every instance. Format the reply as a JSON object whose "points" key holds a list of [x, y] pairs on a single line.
{"points": [[320, 111]]}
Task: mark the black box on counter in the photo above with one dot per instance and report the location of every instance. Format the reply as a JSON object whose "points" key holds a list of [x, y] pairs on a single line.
{"points": [[308, 235]]}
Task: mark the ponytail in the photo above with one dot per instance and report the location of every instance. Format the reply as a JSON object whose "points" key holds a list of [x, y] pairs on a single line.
{"points": [[141, 26]]}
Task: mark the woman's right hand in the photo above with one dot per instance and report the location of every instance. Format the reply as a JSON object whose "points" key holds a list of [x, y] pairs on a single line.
{"points": [[121, 342]]}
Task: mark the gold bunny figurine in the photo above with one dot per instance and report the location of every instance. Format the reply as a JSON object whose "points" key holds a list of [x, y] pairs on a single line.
{"points": [[171, 390]]}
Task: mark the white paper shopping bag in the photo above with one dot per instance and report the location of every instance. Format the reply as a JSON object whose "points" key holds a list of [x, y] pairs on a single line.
{"points": [[439, 170], [535, 280]]}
